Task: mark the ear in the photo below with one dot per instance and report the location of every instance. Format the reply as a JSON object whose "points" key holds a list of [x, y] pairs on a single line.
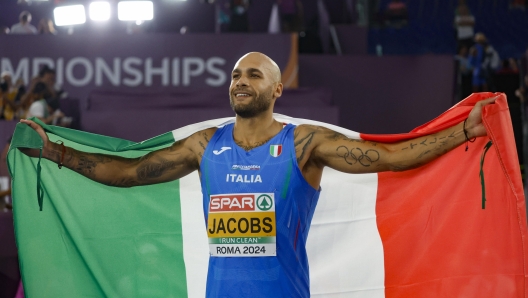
{"points": [[278, 90]]}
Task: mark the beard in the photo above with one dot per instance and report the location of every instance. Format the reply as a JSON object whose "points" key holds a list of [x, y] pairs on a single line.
{"points": [[255, 107]]}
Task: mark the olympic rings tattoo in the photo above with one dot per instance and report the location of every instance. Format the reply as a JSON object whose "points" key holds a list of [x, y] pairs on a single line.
{"points": [[356, 155]]}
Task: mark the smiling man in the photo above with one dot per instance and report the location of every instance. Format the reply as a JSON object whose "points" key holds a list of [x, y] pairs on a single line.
{"points": [[260, 180]]}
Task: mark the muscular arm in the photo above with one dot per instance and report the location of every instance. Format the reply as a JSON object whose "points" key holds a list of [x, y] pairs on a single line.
{"points": [[163, 165], [337, 151], [317, 147], [159, 166]]}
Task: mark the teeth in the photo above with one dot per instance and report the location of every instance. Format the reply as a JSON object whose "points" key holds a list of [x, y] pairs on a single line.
{"points": [[242, 94]]}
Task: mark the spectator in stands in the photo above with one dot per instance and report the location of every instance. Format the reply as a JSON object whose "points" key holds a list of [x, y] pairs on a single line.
{"points": [[396, 13], [485, 60], [39, 106], [462, 58], [239, 21], [522, 92], [3, 96], [24, 26], [46, 26], [460, 4], [464, 24], [47, 76], [291, 15], [4, 30], [13, 93], [464, 73], [5, 193]]}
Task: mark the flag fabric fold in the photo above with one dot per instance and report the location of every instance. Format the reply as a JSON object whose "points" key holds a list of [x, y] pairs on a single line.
{"points": [[418, 233]]}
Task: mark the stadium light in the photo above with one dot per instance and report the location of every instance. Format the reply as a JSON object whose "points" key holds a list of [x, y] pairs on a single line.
{"points": [[99, 11], [135, 10], [69, 15]]}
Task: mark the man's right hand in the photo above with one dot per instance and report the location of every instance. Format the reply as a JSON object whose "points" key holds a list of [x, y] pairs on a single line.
{"points": [[38, 129], [42, 134]]}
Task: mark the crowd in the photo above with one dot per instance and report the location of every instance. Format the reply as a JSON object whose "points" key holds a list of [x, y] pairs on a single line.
{"points": [[45, 26], [41, 98], [478, 61]]}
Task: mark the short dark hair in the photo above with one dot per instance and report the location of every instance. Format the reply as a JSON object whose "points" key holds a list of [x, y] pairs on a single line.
{"points": [[46, 69], [25, 15], [39, 88]]}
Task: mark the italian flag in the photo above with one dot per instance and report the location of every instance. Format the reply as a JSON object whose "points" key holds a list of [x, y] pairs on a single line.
{"points": [[419, 233], [275, 150]]}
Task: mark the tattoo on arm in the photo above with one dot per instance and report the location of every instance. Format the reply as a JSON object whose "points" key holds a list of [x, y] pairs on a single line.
{"points": [[304, 143], [356, 155], [86, 163], [202, 145], [149, 170]]}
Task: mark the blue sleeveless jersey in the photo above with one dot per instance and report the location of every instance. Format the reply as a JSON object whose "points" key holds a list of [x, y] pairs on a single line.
{"points": [[270, 170]]}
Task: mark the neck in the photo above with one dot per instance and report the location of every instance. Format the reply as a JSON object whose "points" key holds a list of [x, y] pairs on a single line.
{"points": [[249, 133]]}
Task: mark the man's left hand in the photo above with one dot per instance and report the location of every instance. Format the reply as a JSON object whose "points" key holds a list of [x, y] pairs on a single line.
{"points": [[474, 125]]}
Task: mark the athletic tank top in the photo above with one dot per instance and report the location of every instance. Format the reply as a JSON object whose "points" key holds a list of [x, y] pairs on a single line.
{"points": [[258, 208]]}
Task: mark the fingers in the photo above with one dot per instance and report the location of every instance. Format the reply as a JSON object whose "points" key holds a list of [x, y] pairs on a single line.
{"points": [[28, 122], [37, 128], [488, 101]]}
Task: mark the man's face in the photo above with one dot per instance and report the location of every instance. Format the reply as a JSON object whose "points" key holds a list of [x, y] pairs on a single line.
{"points": [[252, 87]]}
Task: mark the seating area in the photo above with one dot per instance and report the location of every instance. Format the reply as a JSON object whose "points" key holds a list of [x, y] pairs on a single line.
{"points": [[430, 28]]}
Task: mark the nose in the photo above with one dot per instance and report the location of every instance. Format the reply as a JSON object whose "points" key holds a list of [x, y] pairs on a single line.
{"points": [[242, 81]]}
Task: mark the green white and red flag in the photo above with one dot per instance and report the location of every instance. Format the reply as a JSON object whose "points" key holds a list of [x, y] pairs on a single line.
{"points": [[419, 233]]}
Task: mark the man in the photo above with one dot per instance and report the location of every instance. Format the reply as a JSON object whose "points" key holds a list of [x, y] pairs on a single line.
{"points": [[288, 163], [24, 26]]}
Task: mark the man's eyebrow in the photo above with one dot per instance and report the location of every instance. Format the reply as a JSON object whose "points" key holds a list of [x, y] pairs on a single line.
{"points": [[248, 70], [254, 70]]}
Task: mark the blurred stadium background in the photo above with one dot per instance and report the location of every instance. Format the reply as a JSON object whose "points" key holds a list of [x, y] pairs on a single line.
{"points": [[378, 66]]}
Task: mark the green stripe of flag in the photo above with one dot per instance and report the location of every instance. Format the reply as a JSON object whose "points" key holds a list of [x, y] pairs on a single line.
{"points": [[93, 240]]}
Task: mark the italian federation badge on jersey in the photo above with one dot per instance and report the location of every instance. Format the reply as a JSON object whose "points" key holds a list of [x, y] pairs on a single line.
{"points": [[275, 150]]}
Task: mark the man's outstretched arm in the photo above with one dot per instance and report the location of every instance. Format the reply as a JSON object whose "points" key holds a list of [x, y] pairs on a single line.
{"points": [[158, 166], [357, 156]]}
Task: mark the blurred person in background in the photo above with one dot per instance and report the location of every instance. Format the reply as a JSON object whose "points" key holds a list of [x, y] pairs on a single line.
{"points": [[4, 87], [24, 26], [239, 21], [464, 25], [5, 189], [46, 26], [47, 76], [39, 106], [465, 70], [522, 92], [291, 12], [14, 93], [485, 61]]}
